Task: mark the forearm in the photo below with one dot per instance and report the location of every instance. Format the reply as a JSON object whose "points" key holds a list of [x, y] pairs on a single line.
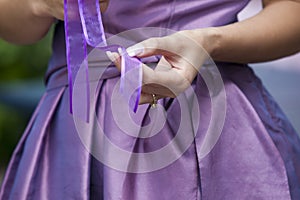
{"points": [[21, 23], [273, 33]]}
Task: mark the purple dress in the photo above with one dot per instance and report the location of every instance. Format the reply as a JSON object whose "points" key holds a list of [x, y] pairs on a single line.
{"points": [[256, 154]]}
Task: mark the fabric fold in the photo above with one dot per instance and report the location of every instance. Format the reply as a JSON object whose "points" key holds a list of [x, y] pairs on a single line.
{"points": [[83, 26]]}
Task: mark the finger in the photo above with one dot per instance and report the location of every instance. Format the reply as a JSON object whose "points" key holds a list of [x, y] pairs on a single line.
{"points": [[163, 65], [149, 47], [148, 98], [148, 73], [103, 5], [115, 58], [145, 98], [162, 83], [159, 90], [164, 80]]}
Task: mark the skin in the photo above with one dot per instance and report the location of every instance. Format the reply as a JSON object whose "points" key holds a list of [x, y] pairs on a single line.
{"points": [[271, 34], [28, 21]]}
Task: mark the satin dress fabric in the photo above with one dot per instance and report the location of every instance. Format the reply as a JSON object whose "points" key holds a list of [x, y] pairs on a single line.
{"points": [[257, 155]]}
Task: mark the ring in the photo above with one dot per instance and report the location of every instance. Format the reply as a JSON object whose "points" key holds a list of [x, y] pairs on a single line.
{"points": [[154, 101]]}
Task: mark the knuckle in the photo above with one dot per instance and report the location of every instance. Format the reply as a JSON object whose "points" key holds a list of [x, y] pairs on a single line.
{"points": [[154, 42], [172, 95]]}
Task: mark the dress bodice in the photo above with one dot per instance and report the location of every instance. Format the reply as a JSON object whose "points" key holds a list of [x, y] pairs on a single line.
{"points": [[123, 15], [171, 14]]}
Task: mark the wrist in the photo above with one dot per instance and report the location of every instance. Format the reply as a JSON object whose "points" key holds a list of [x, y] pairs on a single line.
{"points": [[213, 41], [209, 39]]}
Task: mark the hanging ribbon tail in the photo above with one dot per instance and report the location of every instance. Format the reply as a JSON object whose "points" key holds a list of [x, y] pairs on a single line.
{"points": [[83, 26], [131, 76], [92, 22], [131, 79], [76, 51]]}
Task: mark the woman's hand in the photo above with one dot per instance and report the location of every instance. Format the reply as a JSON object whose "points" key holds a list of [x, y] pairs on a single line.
{"points": [[182, 57]]}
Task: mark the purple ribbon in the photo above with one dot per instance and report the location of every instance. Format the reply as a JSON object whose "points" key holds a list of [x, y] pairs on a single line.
{"points": [[83, 26]]}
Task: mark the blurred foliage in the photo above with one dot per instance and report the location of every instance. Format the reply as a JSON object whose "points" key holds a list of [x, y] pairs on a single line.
{"points": [[19, 63], [12, 124]]}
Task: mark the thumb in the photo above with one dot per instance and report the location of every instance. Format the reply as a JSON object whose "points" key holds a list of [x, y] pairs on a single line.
{"points": [[149, 47]]}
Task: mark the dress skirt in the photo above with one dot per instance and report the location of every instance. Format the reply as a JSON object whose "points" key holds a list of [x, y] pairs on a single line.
{"points": [[256, 155]]}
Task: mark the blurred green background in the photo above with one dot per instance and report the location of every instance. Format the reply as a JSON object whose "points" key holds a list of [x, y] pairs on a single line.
{"points": [[21, 85]]}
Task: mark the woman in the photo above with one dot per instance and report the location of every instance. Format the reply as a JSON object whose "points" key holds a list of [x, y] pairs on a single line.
{"points": [[257, 154]]}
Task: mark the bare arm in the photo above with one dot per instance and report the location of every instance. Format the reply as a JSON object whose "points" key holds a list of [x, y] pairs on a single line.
{"points": [[271, 34], [25, 21]]}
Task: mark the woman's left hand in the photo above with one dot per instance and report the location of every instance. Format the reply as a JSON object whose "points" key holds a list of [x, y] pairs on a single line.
{"points": [[183, 53]]}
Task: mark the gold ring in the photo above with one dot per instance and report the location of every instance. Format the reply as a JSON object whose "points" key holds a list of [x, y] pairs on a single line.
{"points": [[154, 101]]}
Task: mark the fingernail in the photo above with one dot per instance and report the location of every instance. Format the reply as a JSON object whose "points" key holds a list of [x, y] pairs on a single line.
{"points": [[112, 56], [120, 51], [135, 50]]}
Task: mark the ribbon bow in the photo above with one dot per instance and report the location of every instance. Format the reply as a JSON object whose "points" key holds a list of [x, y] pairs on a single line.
{"points": [[83, 26]]}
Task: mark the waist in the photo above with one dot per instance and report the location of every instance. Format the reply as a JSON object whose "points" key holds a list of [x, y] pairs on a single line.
{"points": [[58, 77]]}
